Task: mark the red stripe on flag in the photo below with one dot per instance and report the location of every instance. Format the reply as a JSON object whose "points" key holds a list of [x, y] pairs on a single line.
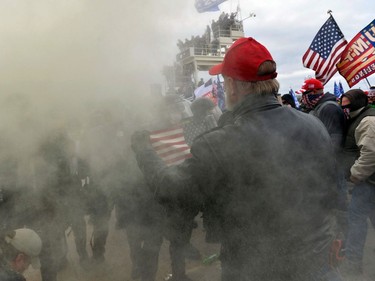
{"points": [[166, 145], [178, 160], [325, 50], [170, 145], [169, 137]]}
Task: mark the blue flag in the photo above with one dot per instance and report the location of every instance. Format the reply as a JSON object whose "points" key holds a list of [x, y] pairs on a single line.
{"points": [[336, 90], [293, 94], [220, 95], [208, 5], [341, 89]]}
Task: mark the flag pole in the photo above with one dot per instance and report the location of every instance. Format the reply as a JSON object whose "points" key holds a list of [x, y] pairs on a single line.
{"points": [[368, 83]]}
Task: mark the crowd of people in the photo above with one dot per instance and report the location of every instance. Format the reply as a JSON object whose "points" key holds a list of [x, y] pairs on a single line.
{"points": [[208, 43], [277, 186]]}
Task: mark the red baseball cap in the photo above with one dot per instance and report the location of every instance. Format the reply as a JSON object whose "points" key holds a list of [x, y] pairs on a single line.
{"points": [[311, 85], [242, 61]]}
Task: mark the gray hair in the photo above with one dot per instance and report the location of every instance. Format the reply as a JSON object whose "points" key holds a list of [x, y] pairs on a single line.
{"points": [[266, 87]]}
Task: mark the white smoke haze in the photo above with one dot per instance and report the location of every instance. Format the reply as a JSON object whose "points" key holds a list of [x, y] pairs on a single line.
{"points": [[61, 60]]}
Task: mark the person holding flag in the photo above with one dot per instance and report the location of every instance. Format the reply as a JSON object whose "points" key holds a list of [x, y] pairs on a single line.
{"points": [[271, 225], [171, 144]]}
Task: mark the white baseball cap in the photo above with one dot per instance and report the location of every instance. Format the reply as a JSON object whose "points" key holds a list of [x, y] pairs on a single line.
{"points": [[26, 241]]}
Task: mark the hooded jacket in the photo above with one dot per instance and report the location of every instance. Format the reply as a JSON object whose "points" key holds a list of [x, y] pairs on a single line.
{"points": [[359, 149]]}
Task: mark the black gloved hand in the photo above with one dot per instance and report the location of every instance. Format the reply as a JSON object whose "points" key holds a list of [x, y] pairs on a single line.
{"points": [[140, 140]]}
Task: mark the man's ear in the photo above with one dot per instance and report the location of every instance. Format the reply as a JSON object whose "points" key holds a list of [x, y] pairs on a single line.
{"points": [[20, 263], [231, 86], [232, 93]]}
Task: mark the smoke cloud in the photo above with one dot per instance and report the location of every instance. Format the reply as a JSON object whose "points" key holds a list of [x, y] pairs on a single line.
{"points": [[61, 60]]}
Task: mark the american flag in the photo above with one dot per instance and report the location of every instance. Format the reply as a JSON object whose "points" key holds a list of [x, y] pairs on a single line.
{"points": [[325, 50], [170, 145], [207, 90]]}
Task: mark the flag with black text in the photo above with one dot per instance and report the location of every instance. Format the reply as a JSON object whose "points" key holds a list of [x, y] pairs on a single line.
{"points": [[358, 59]]}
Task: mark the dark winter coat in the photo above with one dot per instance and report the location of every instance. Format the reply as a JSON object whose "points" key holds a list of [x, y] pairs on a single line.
{"points": [[268, 185], [332, 116], [7, 274]]}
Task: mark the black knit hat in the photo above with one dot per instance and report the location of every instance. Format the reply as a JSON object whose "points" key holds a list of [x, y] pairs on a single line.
{"points": [[289, 100], [200, 106], [357, 98]]}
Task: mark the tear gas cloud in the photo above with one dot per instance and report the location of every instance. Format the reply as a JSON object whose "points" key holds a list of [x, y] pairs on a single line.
{"points": [[62, 60], [61, 63]]}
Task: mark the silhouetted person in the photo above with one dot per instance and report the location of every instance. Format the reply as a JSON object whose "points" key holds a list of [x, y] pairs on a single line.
{"points": [[101, 154]]}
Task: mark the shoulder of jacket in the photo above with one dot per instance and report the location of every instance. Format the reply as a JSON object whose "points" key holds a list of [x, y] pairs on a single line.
{"points": [[327, 103], [210, 133], [326, 106], [368, 121]]}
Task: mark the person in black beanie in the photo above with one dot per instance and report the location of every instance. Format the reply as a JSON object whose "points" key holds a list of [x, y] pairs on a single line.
{"points": [[288, 100]]}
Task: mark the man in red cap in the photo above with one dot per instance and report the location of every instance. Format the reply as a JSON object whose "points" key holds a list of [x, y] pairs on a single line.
{"points": [[265, 182], [326, 107]]}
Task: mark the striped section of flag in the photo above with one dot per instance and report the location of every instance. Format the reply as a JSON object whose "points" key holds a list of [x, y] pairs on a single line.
{"points": [[170, 145]]}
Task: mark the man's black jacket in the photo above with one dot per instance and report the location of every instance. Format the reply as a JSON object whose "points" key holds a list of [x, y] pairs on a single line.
{"points": [[268, 180]]}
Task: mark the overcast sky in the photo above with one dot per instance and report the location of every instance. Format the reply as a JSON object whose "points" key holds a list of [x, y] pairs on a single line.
{"points": [[287, 29], [104, 47]]}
